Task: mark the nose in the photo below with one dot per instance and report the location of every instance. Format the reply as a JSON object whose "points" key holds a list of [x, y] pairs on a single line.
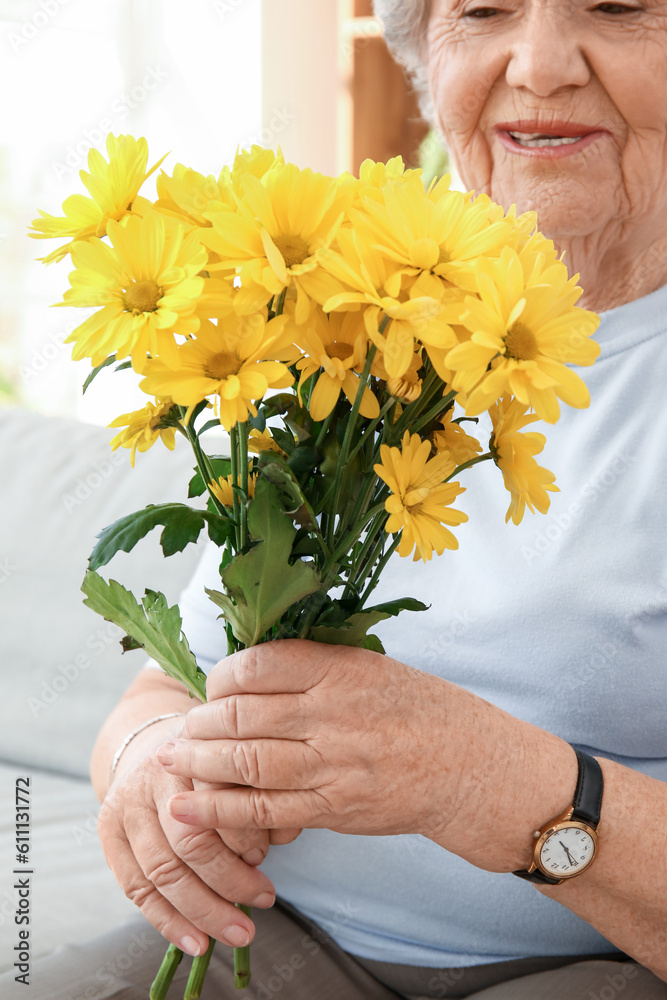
{"points": [[547, 55]]}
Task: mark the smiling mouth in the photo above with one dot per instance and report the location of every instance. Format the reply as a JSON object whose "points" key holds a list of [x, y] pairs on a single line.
{"points": [[535, 140]]}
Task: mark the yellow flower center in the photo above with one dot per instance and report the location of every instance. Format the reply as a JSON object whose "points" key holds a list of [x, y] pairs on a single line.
{"points": [[221, 366], [293, 248], [520, 343], [142, 296], [339, 349], [443, 256]]}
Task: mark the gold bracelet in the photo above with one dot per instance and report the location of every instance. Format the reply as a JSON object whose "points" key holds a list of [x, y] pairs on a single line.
{"points": [[128, 739]]}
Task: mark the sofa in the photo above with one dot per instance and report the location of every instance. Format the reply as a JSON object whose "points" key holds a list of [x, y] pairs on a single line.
{"points": [[61, 666]]}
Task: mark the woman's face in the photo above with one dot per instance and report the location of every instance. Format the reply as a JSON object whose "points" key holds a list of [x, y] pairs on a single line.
{"points": [[557, 105]]}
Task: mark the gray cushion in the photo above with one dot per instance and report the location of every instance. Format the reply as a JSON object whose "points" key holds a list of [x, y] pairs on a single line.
{"points": [[61, 668]]}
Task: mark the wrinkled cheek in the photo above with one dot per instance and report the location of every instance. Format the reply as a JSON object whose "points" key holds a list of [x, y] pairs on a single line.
{"points": [[460, 93]]}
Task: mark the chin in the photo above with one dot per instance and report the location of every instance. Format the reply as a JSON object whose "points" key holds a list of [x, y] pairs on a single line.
{"points": [[566, 206]]}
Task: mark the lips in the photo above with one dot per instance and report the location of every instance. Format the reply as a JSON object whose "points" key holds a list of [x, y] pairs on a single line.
{"points": [[557, 138]]}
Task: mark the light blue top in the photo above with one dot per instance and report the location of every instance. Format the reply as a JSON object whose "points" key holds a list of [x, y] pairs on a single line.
{"points": [[561, 621]]}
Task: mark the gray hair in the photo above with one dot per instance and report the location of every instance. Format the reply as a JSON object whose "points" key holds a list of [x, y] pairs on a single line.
{"points": [[404, 24]]}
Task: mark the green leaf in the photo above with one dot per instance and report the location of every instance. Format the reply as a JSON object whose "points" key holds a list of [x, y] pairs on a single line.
{"points": [[123, 366], [151, 624], [221, 467], [402, 604], [303, 459], [373, 643], [182, 525], [274, 468], [262, 584], [107, 361], [284, 439], [351, 632]]}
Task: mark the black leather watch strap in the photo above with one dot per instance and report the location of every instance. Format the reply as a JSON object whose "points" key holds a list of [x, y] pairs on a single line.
{"points": [[588, 794], [586, 807]]}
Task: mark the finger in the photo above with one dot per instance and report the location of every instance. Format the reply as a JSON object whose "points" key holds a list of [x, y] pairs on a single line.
{"points": [[261, 763], [246, 716], [285, 665], [252, 807], [250, 845], [155, 908], [283, 836], [183, 873]]}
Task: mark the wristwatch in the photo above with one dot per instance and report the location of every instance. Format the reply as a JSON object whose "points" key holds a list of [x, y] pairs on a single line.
{"points": [[566, 846]]}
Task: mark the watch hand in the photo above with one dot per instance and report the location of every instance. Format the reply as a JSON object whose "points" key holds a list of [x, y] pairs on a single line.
{"points": [[569, 856]]}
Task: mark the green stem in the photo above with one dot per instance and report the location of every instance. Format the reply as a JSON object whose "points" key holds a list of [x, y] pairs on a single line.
{"points": [[371, 427], [162, 981], [234, 439], [435, 411], [242, 959], [468, 465], [346, 544], [204, 466], [198, 971], [375, 579], [243, 473], [347, 440]]}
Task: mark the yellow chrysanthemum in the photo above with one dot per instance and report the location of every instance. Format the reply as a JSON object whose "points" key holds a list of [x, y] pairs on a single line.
{"points": [[434, 232], [336, 347], [187, 194], [143, 428], [513, 452], [524, 333], [259, 441], [224, 490], [365, 276], [114, 185], [228, 361], [282, 223], [419, 504], [453, 441], [148, 285], [408, 387]]}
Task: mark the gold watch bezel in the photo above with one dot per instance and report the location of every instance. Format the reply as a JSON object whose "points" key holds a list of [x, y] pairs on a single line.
{"points": [[563, 822]]}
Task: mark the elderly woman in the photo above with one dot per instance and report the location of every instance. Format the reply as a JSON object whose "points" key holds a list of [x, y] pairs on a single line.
{"points": [[408, 794]]}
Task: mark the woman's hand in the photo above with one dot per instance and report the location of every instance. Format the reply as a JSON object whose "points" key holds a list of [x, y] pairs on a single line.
{"points": [[184, 881], [350, 740]]}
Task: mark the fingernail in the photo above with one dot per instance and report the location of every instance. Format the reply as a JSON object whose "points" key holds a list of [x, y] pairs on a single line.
{"points": [[236, 935], [165, 753], [181, 810], [191, 946], [264, 900], [254, 857]]}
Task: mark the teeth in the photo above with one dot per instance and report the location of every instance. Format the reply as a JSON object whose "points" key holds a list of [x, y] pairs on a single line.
{"points": [[536, 139]]}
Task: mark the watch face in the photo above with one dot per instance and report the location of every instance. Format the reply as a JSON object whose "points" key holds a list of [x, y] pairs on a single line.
{"points": [[567, 852]]}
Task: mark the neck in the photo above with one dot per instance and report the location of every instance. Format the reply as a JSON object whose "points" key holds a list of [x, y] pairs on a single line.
{"points": [[614, 274]]}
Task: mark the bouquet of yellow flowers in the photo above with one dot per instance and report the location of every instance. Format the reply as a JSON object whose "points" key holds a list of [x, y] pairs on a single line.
{"points": [[344, 331]]}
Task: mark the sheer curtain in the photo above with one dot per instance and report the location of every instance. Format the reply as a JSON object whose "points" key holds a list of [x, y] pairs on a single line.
{"points": [[188, 76]]}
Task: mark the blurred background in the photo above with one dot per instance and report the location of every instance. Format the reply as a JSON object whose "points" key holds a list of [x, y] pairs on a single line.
{"points": [[198, 79]]}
